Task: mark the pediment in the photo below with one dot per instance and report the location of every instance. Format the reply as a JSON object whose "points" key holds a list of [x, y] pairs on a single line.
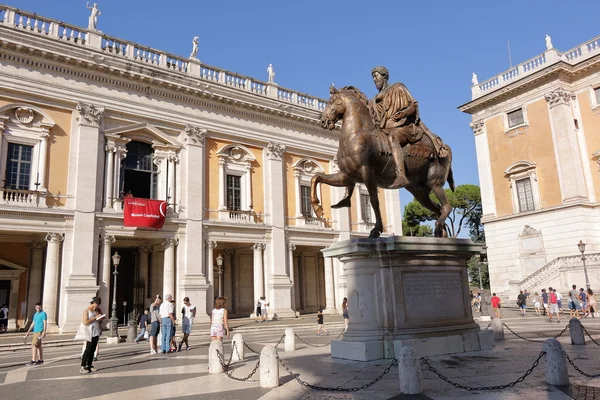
{"points": [[308, 166], [518, 167], [143, 132]]}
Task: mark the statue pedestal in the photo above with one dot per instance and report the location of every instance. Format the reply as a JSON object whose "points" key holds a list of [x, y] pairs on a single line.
{"points": [[407, 291]]}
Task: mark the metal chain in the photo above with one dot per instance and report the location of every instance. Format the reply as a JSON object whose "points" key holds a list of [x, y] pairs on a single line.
{"points": [[230, 374], [497, 387], [311, 345], [577, 368], [280, 340], [534, 340], [590, 336], [337, 389], [251, 349]]}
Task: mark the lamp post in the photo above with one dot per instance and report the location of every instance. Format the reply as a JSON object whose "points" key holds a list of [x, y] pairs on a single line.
{"points": [[220, 273], [483, 305], [114, 321], [581, 246]]}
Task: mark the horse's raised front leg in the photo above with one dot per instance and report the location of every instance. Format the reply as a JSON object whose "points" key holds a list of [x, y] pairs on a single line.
{"points": [[345, 202], [338, 179]]}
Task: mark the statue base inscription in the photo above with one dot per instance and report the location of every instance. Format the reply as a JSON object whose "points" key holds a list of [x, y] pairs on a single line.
{"points": [[406, 291]]}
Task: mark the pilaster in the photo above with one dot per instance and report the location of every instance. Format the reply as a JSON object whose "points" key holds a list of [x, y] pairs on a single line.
{"points": [[484, 168]]}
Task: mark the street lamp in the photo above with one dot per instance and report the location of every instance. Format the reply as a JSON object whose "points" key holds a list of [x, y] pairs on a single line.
{"points": [[220, 273], [483, 305], [114, 321], [581, 246]]}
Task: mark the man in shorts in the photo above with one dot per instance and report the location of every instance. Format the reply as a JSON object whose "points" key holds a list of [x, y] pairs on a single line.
{"points": [[544, 301], [558, 300], [574, 303], [553, 306], [154, 324], [38, 326], [495, 300]]}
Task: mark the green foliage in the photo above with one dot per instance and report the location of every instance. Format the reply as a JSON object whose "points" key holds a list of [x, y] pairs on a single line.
{"points": [[416, 230], [466, 212], [473, 268]]}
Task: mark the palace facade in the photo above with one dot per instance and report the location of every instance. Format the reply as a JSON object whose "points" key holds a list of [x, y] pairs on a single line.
{"points": [[537, 137], [86, 118]]}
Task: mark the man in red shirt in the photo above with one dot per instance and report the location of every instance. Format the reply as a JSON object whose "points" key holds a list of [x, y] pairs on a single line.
{"points": [[496, 305]]}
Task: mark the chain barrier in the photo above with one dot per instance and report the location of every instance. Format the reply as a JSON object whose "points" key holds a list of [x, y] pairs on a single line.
{"points": [[577, 368], [590, 336], [534, 340], [226, 366], [337, 389], [311, 345], [230, 373], [497, 387], [222, 357], [280, 340]]}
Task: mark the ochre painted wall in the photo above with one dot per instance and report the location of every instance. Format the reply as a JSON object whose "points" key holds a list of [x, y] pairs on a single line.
{"points": [[535, 146], [590, 122]]}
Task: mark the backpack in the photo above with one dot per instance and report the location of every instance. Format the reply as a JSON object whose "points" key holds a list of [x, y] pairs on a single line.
{"points": [[3, 313], [552, 298]]}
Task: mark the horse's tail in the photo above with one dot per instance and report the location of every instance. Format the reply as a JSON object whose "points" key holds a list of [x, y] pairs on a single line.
{"points": [[450, 178]]}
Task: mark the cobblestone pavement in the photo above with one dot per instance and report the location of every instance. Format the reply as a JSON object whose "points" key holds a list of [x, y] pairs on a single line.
{"points": [[130, 372]]}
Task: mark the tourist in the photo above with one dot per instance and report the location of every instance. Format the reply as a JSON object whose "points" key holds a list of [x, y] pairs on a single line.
{"points": [[219, 326], [574, 304], [591, 303], [522, 302], [558, 300], [143, 327], [3, 319], [188, 312], [345, 313], [553, 307], [544, 301], [96, 352], [39, 326], [320, 323], [258, 308], [496, 304], [536, 303], [154, 324], [167, 318], [91, 317], [584, 304], [263, 308], [173, 343]]}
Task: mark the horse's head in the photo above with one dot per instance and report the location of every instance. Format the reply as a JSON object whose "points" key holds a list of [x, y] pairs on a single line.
{"points": [[335, 109]]}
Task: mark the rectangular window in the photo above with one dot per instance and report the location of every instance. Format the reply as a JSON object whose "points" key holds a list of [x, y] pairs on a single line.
{"points": [[515, 118], [18, 166], [305, 201], [365, 207], [597, 93], [525, 195], [234, 192]]}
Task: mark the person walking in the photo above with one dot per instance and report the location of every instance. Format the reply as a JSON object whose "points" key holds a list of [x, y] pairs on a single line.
{"points": [[4, 319], [91, 317], [39, 326], [258, 310], [143, 326], [536, 303], [558, 300], [154, 324], [187, 319], [574, 303], [544, 301], [496, 304], [591, 303], [522, 303], [219, 325], [553, 306], [263, 308], [345, 313], [320, 326], [584, 302], [167, 318]]}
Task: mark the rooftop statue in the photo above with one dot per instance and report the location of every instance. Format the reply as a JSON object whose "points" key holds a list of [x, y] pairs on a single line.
{"points": [[93, 19], [474, 79], [384, 144], [548, 42], [271, 73], [195, 43]]}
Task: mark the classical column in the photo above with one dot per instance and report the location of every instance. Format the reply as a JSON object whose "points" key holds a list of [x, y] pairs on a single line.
{"points": [[110, 174], [228, 274], [169, 266], [329, 289], [222, 184], [298, 195], [42, 161], [105, 268], [259, 276], [35, 278], [173, 159], [117, 185], [210, 274], [144, 251], [291, 248], [13, 309], [50, 296]]}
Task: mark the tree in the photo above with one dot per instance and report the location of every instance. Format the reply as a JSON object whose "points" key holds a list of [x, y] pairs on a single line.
{"points": [[466, 212], [473, 268], [416, 230]]}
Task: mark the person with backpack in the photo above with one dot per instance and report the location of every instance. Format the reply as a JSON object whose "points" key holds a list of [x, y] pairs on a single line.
{"points": [[553, 307], [522, 302]]}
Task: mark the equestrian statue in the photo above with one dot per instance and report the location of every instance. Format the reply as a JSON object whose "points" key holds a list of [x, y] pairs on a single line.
{"points": [[384, 144]]}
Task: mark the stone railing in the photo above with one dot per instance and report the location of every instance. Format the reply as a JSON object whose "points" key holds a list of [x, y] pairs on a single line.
{"points": [[550, 57], [135, 53], [554, 267], [238, 216], [22, 198]]}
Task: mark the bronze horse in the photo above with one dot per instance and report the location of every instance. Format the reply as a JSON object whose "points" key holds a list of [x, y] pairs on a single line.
{"points": [[364, 157]]}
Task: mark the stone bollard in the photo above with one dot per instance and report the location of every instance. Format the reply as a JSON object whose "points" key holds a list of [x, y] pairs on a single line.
{"points": [[556, 364], [269, 367], [409, 367], [498, 329], [131, 333], [214, 365], [238, 352], [576, 331], [290, 340]]}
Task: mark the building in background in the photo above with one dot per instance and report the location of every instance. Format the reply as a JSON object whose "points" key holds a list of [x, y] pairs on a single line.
{"points": [[86, 119], [537, 135]]}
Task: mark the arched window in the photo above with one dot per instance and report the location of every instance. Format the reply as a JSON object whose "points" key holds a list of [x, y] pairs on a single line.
{"points": [[304, 170], [523, 183], [235, 183]]}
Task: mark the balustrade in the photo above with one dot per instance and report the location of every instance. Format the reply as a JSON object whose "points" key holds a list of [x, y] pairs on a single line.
{"points": [[176, 63], [22, 198], [114, 46]]}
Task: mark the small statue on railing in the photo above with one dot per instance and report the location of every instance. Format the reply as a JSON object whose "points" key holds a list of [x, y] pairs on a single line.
{"points": [[93, 19], [474, 79], [195, 43], [549, 42], [271, 73]]}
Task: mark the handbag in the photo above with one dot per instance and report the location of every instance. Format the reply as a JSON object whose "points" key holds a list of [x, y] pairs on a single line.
{"points": [[84, 333], [146, 335]]}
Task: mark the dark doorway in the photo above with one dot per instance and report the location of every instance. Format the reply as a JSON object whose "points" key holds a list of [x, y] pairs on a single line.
{"points": [[129, 288], [4, 293], [139, 174]]}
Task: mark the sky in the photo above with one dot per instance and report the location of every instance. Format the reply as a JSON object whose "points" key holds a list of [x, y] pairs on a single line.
{"points": [[432, 46]]}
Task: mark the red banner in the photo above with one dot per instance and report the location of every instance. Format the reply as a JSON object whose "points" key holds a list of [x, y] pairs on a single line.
{"points": [[144, 213]]}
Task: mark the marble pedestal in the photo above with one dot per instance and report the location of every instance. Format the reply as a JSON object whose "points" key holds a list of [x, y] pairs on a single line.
{"points": [[407, 291]]}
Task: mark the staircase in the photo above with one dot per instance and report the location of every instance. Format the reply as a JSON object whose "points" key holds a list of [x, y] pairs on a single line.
{"points": [[550, 274]]}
